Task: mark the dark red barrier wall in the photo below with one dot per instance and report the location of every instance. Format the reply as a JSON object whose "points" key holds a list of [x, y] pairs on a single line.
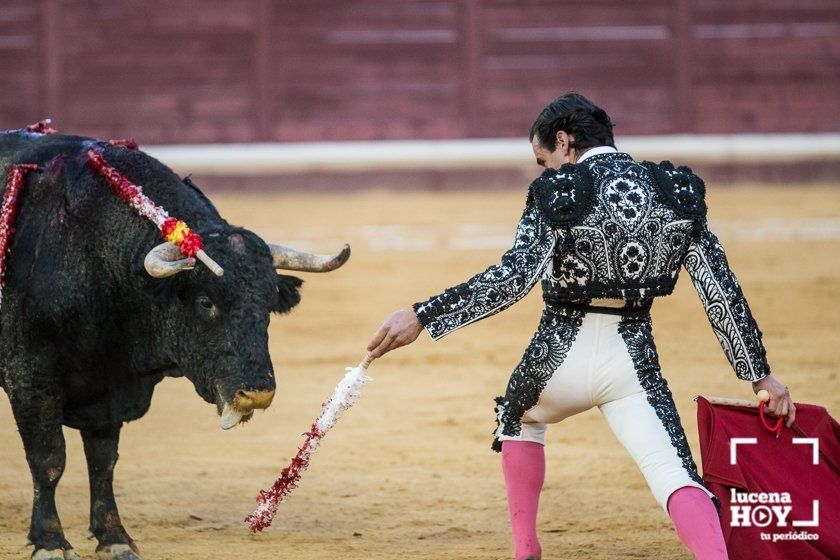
{"points": [[221, 70]]}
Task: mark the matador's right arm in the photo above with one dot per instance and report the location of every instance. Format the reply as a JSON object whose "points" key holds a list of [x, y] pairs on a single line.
{"points": [[498, 287]]}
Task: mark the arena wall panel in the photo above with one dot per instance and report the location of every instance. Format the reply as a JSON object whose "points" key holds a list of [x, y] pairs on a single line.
{"points": [[288, 71]]}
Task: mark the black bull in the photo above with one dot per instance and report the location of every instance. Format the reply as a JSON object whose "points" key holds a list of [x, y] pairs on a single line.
{"points": [[86, 332]]}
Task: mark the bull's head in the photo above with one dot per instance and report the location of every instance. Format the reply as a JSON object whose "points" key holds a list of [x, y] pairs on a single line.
{"points": [[220, 338]]}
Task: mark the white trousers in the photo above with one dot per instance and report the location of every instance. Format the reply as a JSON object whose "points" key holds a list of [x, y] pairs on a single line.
{"points": [[599, 371]]}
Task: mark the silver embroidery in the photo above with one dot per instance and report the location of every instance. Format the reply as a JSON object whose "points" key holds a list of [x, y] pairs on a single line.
{"points": [[726, 307]]}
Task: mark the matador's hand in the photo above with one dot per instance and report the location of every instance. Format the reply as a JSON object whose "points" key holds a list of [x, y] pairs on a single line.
{"points": [[781, 403], [398, 329]]}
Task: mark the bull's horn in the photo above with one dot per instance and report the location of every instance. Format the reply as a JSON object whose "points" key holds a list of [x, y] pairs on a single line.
{"points": [[164, 261], [230, 417], [291, 259]]}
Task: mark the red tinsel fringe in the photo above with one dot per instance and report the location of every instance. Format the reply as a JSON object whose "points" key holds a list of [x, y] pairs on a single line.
{"points": [[9, 210], [168, 226], [283, 486], [120, 184], [190, 242], [41, 127]]}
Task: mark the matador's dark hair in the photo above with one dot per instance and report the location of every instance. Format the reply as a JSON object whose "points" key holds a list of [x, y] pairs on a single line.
{"points": [[577, 116]]}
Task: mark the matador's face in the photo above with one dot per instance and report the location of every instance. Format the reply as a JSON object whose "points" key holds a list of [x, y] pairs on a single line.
{"points": [[546, 158]]}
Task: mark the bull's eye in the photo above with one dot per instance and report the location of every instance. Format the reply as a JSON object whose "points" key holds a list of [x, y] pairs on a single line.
{"points": [[205, 302]]}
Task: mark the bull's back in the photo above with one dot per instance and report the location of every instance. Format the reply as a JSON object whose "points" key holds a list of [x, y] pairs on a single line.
{"points": [[45, 248], [18, 147]]}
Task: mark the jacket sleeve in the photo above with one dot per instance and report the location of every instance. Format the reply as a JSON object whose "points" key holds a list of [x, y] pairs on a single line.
{"points": [[726, 307], [498, 287]]}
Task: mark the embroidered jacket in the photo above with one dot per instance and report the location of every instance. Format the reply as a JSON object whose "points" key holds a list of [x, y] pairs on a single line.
{"points": [[611, 227]]}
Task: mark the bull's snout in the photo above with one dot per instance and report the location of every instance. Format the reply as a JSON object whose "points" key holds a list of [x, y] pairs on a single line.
{"points": [[243, 406], [251, 400]]}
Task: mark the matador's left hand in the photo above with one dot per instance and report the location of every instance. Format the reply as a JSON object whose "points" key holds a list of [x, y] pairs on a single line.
{"points": [[781, 403]]}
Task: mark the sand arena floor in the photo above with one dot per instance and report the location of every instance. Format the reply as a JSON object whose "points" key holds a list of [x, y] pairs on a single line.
{"points": [[409, 473]]}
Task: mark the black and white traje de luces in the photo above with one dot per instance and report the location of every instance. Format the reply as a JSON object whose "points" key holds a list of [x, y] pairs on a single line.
{"points": [[606, 227]]}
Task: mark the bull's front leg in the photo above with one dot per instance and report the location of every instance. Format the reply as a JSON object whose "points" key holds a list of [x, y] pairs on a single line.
{"points": [[37, 408], [105, 524]]}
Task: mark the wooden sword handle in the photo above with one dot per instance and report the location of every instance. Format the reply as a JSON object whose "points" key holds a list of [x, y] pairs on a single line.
{"points": [[763, 396], [366, 362], [724, 401]]}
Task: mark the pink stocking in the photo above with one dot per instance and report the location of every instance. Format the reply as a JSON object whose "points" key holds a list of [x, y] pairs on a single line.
{"points": [[697, 523], [523, 463]]}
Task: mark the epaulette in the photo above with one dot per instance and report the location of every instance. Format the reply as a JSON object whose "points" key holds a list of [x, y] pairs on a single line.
{"points": [[564, 195], [681, 187]]}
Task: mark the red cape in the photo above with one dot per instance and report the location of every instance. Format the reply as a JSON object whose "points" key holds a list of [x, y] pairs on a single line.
{"points": [[770, 466]]}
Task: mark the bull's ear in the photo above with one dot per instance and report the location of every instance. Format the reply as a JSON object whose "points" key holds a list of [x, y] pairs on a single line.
{"points": [[288, 293]]}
